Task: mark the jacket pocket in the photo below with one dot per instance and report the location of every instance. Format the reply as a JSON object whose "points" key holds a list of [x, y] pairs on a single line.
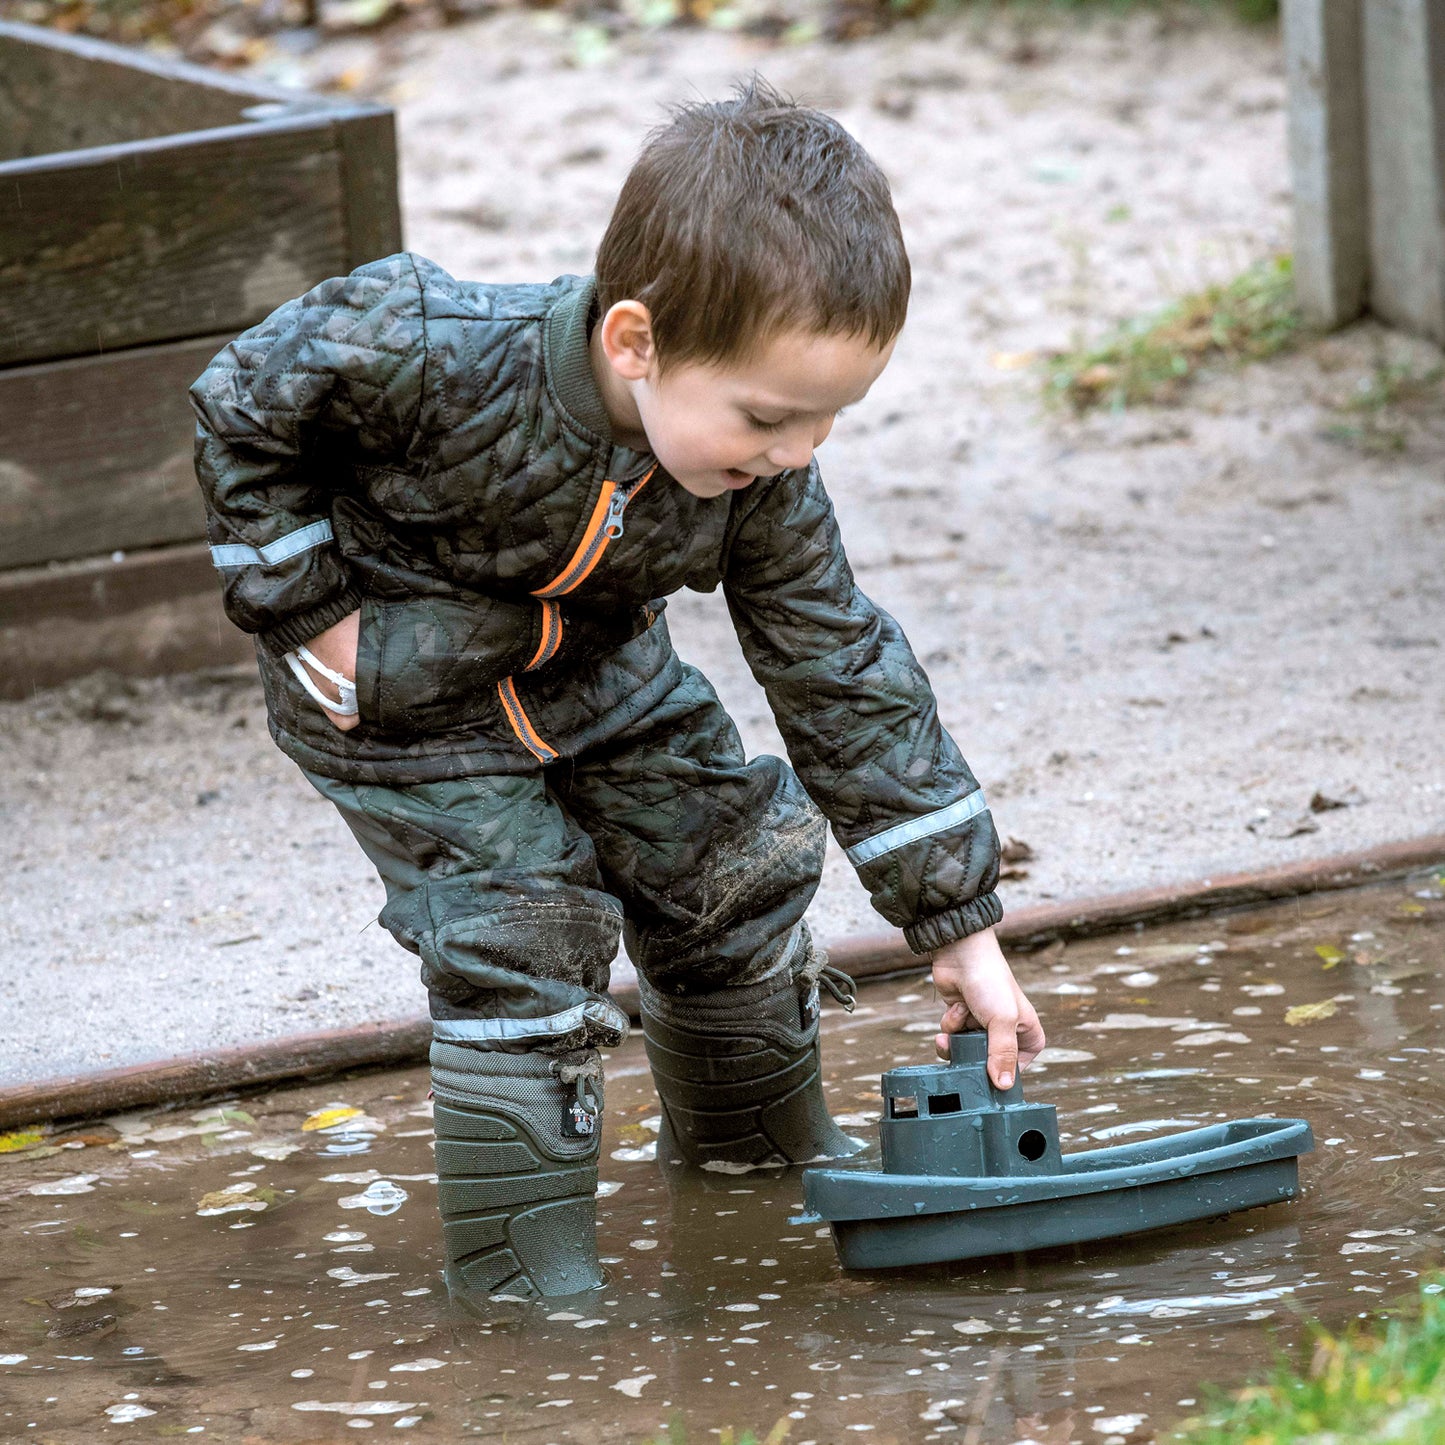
{"points": [[425, 665], [370, 646]]}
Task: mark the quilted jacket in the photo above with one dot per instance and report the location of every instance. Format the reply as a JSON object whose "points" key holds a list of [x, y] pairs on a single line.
{"points": [[435, 453]]}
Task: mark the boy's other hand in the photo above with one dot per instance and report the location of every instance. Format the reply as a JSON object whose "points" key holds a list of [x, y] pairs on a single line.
{"points": [[336, 647], [978, 990]]}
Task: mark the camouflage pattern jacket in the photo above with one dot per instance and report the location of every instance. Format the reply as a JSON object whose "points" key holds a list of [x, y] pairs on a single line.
{"points": [[435, 453]]}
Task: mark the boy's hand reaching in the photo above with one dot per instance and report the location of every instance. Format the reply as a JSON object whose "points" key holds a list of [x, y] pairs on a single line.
{"points": [[978, 990], [336, 647]]}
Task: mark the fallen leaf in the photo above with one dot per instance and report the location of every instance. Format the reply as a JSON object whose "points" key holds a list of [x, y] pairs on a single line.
{"points": [[237, 1198], [42, 1151], [1324, 803], [93, 1327], [1015, 851], [82, 1297], [1309, 1013], [20, 1139], [1330, 954], [329, 1118]]}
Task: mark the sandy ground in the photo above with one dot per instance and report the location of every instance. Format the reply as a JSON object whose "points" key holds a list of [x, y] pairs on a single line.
{"points": [[1156, 635]]}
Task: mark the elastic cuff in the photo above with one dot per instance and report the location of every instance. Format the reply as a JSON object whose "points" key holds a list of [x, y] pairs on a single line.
{"points": [[306, 625], [930, 934]]}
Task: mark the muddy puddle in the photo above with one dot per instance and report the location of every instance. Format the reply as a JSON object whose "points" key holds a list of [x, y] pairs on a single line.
{"points": [[267, 1268]]}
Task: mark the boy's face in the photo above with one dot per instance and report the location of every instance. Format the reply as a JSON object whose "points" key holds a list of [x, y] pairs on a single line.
{"points": [[716, 427]]}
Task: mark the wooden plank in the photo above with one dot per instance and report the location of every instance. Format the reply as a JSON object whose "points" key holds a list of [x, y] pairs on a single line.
{"points": [[66, 92], [366, 138], [159, 240], [1403, 45], [150, 613], [1323, 63], [96, 453]]}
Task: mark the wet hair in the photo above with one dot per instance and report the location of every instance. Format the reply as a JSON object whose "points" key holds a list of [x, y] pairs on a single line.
{"points": [[747, 216]]}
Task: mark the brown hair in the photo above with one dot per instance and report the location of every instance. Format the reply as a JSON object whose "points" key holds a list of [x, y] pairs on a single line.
{"points": [[742, 217]]}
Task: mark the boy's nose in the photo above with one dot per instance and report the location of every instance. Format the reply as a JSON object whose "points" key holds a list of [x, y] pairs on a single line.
{"points": [[794, 448]]}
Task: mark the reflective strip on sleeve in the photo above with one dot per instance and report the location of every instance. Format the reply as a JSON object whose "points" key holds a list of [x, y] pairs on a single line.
{"points": [[916, 828], [237, 554]]}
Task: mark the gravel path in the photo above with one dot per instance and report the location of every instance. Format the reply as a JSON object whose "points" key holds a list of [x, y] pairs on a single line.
{"points": [[1156, 635]]}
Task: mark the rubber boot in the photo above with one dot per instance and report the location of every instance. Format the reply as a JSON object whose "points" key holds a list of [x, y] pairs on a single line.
{"points": [[738, 1074], [517, 1138]]}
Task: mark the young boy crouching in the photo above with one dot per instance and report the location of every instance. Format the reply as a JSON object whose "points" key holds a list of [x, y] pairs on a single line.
{"points": [[450, 513]]}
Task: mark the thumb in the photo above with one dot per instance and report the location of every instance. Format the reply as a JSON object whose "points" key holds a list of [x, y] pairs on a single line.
{"points": [[1003, 1051]]}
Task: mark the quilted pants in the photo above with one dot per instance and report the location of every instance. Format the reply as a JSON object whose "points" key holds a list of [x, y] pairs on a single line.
{"points": [[514, 890]]}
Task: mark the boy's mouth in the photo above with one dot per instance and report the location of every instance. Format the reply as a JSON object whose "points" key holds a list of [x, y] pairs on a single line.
{"points": [[735, 478]]}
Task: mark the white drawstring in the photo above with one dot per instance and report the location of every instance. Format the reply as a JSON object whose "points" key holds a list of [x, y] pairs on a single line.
{"points": [[345, 705]]}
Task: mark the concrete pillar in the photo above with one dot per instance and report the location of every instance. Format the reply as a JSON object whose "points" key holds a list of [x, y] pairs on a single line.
{"points": [[1322, 40], [1404, 69]]}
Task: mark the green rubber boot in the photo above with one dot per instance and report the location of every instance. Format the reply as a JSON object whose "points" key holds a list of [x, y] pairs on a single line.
{"points": [[738, 1072], [517, 1138]]}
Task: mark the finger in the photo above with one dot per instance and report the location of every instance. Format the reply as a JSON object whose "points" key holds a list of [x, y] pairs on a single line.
{"points": [[1003, 1049], [1030, 1033], [956, 1018]]}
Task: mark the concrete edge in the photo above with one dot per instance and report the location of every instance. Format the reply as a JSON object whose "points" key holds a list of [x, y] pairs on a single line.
{"points": [[405, 1041]]}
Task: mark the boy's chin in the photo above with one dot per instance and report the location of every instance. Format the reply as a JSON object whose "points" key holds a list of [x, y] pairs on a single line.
{"points": [[715, 484]]}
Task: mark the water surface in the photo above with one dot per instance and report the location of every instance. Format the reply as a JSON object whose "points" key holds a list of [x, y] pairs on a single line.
{"points": [[229, 1273]]}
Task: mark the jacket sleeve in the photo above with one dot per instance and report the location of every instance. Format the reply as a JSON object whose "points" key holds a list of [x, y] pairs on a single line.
{"points": [[859, 717], [331, 377]]}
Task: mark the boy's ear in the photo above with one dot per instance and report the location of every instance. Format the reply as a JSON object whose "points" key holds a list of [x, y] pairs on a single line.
{"points": [[626, 336]]}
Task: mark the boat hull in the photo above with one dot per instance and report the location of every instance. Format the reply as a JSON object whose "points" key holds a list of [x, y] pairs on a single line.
{"points": [[884, 1221]]}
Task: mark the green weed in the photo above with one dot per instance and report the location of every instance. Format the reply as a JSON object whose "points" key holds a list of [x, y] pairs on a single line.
{"points": [[1151, 360], [1373, 419], [1366, 1384]]}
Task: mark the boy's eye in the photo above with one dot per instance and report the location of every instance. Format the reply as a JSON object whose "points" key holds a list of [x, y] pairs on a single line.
{"points": [[760, 424]]}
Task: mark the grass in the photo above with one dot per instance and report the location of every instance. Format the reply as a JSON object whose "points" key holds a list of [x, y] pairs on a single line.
{"points": [[1153, 359], [1369, 1384], [1374, 418]]}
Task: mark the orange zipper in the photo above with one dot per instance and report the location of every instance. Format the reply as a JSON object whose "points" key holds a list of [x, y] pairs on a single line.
{"points": [[527, 735], [551, 636], [603, 526]]}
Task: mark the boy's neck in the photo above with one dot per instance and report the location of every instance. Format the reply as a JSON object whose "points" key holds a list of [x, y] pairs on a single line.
{"points": [[616, 397]]}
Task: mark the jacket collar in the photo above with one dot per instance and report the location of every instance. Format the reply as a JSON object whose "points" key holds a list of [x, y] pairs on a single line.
{"points": [[569, 370]]}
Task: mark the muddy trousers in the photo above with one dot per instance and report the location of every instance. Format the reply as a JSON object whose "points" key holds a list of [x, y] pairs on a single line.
{"points": [[514, 891]]}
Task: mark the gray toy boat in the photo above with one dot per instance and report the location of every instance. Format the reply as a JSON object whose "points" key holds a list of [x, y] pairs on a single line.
{"points": [[970, 1170]]}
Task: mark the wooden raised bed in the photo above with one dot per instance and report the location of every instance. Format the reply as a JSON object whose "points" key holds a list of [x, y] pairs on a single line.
{"points": [[149, 211]]}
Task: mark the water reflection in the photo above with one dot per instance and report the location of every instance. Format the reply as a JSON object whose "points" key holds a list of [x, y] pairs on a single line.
{"points": [[224, 1272]]}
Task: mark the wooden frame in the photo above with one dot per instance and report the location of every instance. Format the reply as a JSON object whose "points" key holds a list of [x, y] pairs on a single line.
{"points": [[150, 210], [1367, 155]]}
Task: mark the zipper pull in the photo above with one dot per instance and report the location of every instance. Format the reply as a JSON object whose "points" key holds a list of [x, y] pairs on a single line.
{"points": [[612, 523]]}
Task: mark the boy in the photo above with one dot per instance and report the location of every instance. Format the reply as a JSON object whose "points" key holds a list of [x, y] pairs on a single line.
{"points": [[450, 513]]}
